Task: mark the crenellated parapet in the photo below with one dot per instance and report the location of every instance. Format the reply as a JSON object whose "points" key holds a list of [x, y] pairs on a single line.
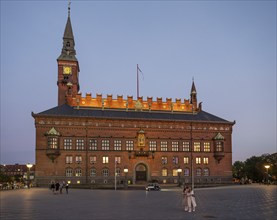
{"points": [[139, 104]]}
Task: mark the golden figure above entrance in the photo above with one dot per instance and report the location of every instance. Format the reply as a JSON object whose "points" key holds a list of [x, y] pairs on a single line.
{"points": [[141, 138]]}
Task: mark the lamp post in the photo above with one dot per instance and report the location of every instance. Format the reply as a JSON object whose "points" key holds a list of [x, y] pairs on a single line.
{"points": [[115, 162], [267, 167], [29, 165], [126, 172], [179, 171]]}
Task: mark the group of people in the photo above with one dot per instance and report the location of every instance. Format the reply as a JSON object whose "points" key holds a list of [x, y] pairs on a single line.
{"points": [[57, 187], [188, 201]]}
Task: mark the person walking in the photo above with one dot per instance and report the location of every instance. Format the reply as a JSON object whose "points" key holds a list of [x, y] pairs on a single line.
{"points": [[185, 199], [66, 188], [191, 200]]}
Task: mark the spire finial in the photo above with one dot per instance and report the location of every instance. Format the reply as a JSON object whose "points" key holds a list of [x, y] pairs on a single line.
{"points": [[69, 2]]}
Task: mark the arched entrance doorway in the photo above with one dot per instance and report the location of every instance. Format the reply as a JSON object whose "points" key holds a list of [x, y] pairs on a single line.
{"points": [[141, 172]]}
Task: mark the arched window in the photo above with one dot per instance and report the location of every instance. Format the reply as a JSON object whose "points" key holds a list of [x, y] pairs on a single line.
{"points": [[93, 172], [186, 172], [105, 172], [206, 172], [118, 171], [78, 172], [164, 172], [198, 172], [68, 172]]}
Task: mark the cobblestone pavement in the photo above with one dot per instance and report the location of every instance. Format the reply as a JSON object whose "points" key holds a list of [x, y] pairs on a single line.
{"points": [[230, 202]]}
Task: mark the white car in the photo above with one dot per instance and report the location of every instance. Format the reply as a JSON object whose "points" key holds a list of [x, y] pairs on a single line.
{"points": [[153, 186]]}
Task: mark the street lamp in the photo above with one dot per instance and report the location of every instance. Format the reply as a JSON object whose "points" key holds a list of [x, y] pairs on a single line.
{"points": [[126, 171], [267, 167], [179, 171], [29, 165]]}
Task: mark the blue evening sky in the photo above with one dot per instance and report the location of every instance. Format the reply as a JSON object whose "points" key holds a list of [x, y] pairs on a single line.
{"points": [[229, 47]]}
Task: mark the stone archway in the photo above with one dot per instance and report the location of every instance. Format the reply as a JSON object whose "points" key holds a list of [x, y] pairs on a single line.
{"points": [[141, 173]]}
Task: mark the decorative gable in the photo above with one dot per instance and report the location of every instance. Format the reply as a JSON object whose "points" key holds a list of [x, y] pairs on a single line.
{"points": [[52, 132], [219, 137]]}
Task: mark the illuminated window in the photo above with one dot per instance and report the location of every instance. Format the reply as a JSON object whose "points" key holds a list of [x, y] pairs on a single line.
{"points": [[164, 172], [68, 172], [198, 172], [198, 160], [105, 172], [78, 172], [152, 145], [68, 159], [92, 159], [205, 160], [196, 146], [207, 147], [129, 145], [67, 144], [53, 142], [117, 160], [80, 144], [164, 160], [186, 160], [163, 145], [175, 146], [175, 160], [92, 144], [186, 172], [219, 146], [175, 172], [105, 144], [105, 160], [186, 146], [206, 172], [78, 159], [117, 145]]}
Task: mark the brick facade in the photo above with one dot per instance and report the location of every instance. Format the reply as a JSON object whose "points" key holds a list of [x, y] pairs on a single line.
{"points": [[80, 139]]}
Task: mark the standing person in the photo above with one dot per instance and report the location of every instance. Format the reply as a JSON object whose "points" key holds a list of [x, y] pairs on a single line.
{"points": [[53, 186], [185, 199], [61, 188], [57, 187], [66, 188], [191, 200]]}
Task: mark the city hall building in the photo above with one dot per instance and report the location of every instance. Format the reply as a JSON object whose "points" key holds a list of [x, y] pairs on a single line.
{"points": [[102, 140]]}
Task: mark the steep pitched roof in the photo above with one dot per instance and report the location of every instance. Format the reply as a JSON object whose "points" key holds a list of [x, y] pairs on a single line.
{"points": [[68, 111]]}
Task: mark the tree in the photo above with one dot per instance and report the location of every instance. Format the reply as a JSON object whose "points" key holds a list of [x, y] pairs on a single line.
{"points": [[238, 169]]}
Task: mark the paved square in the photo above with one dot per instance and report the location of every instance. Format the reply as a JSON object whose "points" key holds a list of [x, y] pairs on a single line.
{"points": [[230, 202]]}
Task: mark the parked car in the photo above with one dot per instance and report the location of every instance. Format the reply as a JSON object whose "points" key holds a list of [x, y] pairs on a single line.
{"points": [[153, 186]]}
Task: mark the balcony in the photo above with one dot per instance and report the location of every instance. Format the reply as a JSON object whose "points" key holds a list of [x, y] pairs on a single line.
{"points": [[142, 153], [218, 155], [53, 153]]}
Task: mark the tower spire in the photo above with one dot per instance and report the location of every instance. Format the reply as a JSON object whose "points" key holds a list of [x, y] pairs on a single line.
{"points": [[193, 95], [68, 50], [69, 2]]}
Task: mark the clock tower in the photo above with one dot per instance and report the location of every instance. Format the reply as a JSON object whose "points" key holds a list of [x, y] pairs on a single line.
{"points": [[68, 66]]}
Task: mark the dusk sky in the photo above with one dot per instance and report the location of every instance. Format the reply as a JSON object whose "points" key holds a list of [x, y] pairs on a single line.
{"points": [[228, 47]]}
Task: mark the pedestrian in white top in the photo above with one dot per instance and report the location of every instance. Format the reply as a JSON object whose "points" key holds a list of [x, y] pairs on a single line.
{"points": [[191, 200]]}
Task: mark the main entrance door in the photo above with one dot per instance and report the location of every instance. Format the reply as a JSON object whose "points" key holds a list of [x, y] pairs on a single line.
{"points": [[141, 173]]}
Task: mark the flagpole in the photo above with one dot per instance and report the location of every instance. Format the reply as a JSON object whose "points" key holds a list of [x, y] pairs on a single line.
{"points": [[137, 82]]}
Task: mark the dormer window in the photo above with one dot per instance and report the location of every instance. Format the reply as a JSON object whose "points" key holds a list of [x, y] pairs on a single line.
{"points": [[67, 44]]}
